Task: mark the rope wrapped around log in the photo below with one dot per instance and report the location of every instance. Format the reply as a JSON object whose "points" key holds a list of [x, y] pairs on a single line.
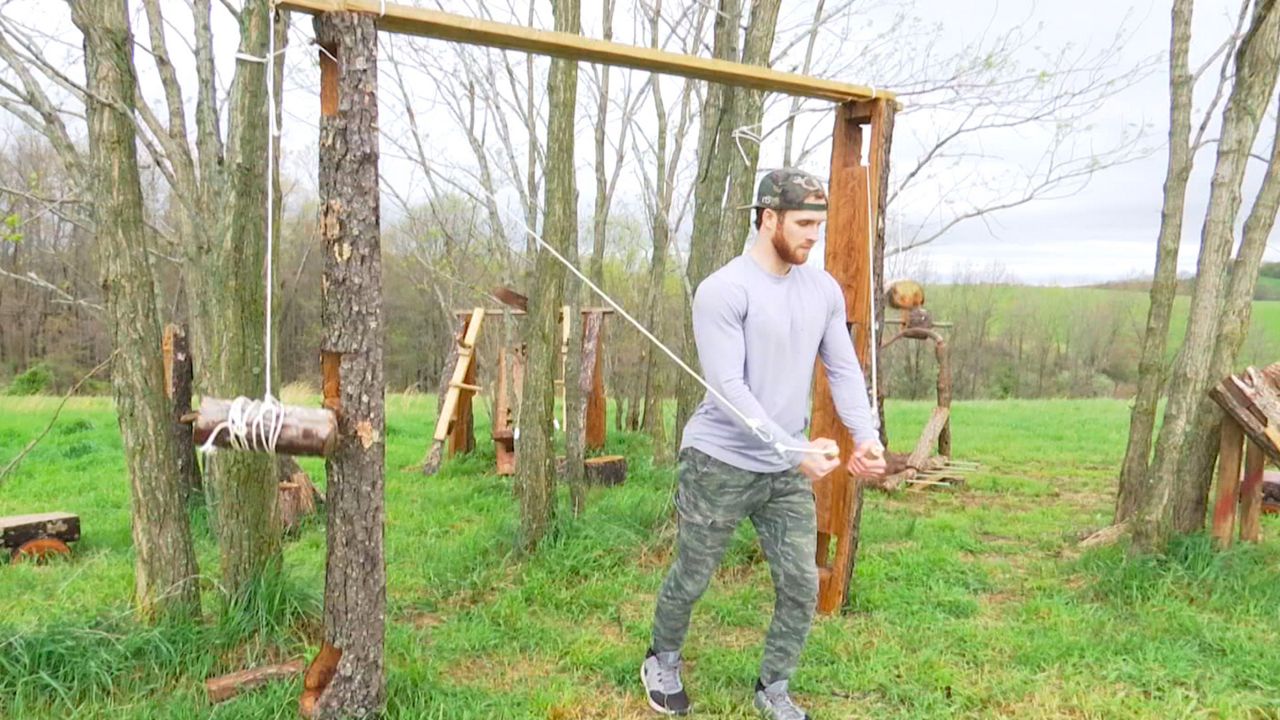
{"points": [[304, 430]]}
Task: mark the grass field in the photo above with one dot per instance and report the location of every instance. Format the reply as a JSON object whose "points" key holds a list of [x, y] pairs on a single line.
{"points": [[970, 603], [1055, 307]]}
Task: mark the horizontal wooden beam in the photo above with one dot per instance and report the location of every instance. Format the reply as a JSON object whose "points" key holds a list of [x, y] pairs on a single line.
{"points": [[457, 28], [521, 313]]}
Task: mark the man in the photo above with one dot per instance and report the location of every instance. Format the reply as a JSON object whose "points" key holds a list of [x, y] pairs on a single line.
{"points": [[759, 323]]}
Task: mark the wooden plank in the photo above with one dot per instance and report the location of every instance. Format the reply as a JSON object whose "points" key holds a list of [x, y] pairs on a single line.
{"points": [[18, 529], [423, 22], [221, 689], [519, 313], [1230, 443], [932, 431], [462, 433], [1251, 495]]}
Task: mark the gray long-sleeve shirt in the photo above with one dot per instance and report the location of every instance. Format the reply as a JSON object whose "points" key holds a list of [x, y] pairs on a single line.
{"points": [[758, 335]]}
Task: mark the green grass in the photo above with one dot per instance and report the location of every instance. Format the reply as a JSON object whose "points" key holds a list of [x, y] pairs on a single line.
{"points": [[969, 603]]}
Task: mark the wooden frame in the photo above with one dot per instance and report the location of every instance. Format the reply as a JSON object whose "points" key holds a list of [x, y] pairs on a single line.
{"points": [[407, 20], [857, 196]]}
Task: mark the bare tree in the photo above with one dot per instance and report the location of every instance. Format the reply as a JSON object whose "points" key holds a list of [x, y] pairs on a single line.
{"points": [[1165, 283], [166, 566], [1170, 477], [535, 473]]}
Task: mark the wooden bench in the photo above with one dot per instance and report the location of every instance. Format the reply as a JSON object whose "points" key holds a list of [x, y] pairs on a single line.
{"points": [[36, 537]]}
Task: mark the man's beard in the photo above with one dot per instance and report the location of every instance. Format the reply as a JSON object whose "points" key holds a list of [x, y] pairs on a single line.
{"points": [[787, 253]]}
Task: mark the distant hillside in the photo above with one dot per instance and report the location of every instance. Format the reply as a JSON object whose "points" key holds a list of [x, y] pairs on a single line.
{"points": [[1031, 341], [1268, 287]]}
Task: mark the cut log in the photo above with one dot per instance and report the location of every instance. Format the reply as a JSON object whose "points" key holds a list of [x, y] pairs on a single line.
{"points": [[306, 431], [606, 470], [17, 530], [298, 495], [221, 689]]}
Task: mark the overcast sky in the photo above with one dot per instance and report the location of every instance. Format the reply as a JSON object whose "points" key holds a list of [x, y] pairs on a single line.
{"points": [[1106, 231], [1109, 229]]}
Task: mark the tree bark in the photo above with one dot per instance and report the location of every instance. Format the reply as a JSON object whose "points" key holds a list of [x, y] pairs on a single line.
{"points": [[166, 572], [714, 146], [355, 575], [535, 472], [1257, 60], [1164, 286]]}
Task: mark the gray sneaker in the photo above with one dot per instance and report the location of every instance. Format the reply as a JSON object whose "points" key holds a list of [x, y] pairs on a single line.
{"points": [[660, 674], [775, 703]]}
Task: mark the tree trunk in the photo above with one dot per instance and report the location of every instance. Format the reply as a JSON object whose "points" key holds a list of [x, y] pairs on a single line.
{"points": [[714, 146], [535, 473], [1164, 286], [355, 576], [1191, 500], [228, 307], [1256, 65], [600, 217], [166, 571], [747, 112]]}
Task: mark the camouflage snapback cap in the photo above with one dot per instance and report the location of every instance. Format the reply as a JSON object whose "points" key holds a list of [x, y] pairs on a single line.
{"points": [[787, 189]]}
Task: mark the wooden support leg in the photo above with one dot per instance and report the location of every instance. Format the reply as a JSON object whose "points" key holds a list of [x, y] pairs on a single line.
{"points": [[1230, 442], [1251, 495]]}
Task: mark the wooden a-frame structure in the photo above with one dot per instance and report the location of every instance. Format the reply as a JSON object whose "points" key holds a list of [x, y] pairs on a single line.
{"points": [[346, 33]]}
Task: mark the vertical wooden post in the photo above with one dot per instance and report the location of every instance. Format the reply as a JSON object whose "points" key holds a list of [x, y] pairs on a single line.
{"points": [[1230, 441], [1251, 494], [593, 380], [854, 190], [347, 677], [178, 375]]}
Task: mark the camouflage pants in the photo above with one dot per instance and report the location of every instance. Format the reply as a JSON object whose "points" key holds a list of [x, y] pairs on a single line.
{"points": [[712, 497]]}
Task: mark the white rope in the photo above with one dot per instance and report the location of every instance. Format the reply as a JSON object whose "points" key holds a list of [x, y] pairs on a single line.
{"points": [[755, 425], [871, 293], [259, 433], [745, 132]]}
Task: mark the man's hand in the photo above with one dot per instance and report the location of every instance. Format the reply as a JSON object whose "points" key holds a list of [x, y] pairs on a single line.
{"points": [[817, 465], [867, 459]]}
